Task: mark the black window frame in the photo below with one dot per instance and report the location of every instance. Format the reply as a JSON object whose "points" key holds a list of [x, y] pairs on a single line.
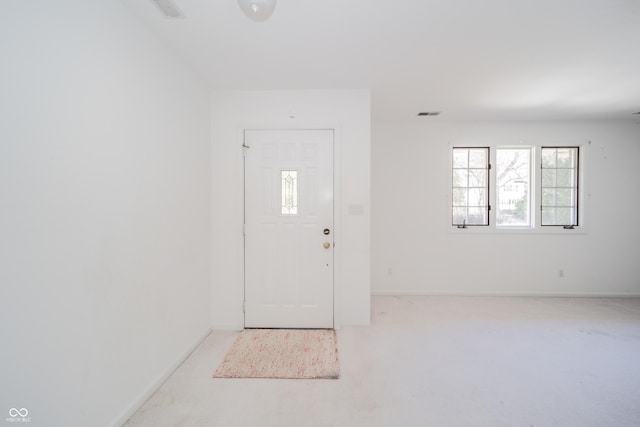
{"points": [[487, 207], [576, 219]]}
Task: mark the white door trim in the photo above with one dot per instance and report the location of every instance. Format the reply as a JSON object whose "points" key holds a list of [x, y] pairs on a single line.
{"points": [[337, 203]]}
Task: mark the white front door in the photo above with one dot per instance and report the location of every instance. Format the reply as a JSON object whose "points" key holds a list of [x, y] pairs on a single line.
{"points": [[289, 228]]}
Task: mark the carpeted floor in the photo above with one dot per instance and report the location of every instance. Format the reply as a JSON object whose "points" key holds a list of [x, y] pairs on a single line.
{"points": [[282, 353], [435, 361]]}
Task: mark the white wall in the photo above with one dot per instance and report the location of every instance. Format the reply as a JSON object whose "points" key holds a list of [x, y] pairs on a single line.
{"points": [[104, 211], [349, 113], [413, 252]]}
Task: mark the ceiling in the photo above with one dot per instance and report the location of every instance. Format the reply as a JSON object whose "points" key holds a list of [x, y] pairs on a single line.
{"points": [[469, 59]]}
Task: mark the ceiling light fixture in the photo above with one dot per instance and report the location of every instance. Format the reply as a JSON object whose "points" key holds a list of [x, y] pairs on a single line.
{"points": [[257, 10], [169, 9]]}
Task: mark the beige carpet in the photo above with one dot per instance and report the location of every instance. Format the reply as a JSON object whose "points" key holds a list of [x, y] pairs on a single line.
{"points": [[282, 353]]}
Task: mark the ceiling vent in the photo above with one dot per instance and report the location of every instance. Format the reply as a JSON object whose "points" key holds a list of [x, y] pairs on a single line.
{"points": [[168, 9], [428, 113]]}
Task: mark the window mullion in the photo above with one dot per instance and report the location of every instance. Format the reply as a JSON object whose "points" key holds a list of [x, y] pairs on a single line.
{"points": [[536, 202], [491, 187]]}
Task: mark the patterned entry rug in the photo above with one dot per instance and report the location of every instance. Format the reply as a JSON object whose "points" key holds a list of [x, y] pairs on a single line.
{"points": [[282, 353]]}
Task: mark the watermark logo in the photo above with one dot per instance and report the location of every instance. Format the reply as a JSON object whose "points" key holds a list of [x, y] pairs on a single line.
{"points": [[18, 416]]}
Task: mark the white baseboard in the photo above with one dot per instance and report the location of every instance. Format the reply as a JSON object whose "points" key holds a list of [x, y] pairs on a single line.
{"points": [[155, 385], [228, 327], [401, 292]]}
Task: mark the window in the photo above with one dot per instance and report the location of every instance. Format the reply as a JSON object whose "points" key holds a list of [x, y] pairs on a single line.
{"points": [[470, 186], [531, 187], [289, 180], [513, 187], [559, 186]]}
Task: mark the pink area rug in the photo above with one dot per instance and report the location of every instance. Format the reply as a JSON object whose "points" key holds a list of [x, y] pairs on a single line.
{"points": [[282, 353]]}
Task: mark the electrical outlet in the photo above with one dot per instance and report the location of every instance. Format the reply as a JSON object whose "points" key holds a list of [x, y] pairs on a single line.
{"points": [[561, 273]]}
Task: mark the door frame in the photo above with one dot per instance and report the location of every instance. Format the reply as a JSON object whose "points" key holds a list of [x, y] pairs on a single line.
{"points": [[337, 205]]}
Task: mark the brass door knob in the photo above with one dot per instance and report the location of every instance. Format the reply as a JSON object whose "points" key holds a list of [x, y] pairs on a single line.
{"points": [[326, 245]]}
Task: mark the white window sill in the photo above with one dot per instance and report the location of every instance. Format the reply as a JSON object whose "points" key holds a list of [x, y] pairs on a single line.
{"points": [[488, 229]]}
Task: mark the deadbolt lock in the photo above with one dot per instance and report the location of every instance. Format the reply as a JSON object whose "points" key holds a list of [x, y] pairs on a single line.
{"points": [[326, 231]]}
